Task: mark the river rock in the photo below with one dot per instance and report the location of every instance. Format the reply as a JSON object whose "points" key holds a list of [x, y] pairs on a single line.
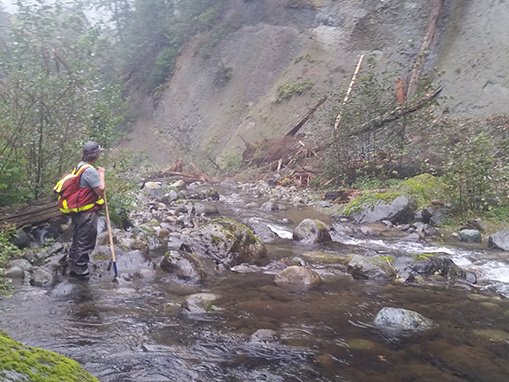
{"points": [[264, 335], [440, 266], [261, 229], [400, 210], [229, 183], [104, 239], [470, 236], [15, 272], [477, 224], [499, 240], [424, 229], [227, 242], [438, 214], [133, 261], [205, 208], [149, 186], [298, 275], [179, 185], [401, 319], [19, 362], [22, 263], [21, 239], [370, 268], [199, 303], [312, 231], [135, 243], [43, 234], [203, 194], [184, 265], [42, 277]]}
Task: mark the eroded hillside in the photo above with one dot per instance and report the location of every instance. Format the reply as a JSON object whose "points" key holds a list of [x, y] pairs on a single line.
{"points": [[240, 81]]}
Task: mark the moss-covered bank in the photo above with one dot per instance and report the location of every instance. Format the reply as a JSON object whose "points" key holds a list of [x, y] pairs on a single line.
{"points": [[19, 362]]}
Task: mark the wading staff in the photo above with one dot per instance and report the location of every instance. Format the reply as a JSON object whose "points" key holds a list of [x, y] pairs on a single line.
{"points": [[113, 260]]}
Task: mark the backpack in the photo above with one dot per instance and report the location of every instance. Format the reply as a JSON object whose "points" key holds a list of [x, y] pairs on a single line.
{"points": [[68, 188]]}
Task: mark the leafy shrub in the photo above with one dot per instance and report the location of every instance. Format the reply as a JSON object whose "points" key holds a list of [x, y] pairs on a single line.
{"points": [[474, 171], [288, 89]]}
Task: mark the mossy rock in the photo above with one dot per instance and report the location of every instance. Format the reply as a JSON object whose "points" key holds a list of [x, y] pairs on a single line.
{"points": [[19, 362], [370, 208], [367, 200], [425, 188], [227, 242]]}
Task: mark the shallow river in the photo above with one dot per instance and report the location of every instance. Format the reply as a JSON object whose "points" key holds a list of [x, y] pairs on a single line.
{"points": [[139, 332]]}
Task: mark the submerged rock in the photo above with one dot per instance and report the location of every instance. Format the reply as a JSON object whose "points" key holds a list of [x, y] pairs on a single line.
{"points": [[298, 275], [401, 319], [312, 231], [200, 302]]}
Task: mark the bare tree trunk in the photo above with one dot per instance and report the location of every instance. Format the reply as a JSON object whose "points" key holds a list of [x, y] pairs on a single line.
{"points": [[429, 37], [304, 119], [347, 96]]}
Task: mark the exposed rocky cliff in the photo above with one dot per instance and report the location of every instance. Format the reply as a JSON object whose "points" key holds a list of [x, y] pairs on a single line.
{"points": [[225, 85]]}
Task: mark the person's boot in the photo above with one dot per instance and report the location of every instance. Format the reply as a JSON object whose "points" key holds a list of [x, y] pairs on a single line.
{"points": [[64, 263]]}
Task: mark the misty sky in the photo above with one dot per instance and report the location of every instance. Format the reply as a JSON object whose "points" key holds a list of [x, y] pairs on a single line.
{"points": [[8, 5]]}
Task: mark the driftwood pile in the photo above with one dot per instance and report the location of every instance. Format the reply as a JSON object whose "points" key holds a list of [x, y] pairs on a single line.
{"points": [[176, 170]]}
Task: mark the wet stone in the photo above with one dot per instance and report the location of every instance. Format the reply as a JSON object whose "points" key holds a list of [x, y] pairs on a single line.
{"points": [[401, 319], [470, 236], [42, 277], [298, 275], [200, 302], [312, 231], [264, 335]]}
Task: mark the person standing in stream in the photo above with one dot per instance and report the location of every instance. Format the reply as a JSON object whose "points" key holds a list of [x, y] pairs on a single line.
{"points": [[91, 192]]}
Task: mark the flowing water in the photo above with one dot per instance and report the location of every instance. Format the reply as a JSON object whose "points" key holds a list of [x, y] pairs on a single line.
{"points": [[137, 331]]}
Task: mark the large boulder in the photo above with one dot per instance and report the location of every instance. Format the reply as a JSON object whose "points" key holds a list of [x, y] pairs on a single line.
{"points": [[371, 208], [227, 242], [19, 362], [401, 319], [499, 240], [312, 231]]}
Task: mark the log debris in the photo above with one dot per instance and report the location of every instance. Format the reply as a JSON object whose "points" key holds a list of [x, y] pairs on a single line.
{"points": [[37, 212], [429, 38], [304, 119], [395, 114]]}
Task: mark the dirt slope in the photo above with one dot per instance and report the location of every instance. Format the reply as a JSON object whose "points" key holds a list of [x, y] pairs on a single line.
{"points": [[318, 42]]}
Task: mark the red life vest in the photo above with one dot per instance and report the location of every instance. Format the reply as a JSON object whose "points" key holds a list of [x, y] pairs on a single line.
{"points": [[72, 198]]}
